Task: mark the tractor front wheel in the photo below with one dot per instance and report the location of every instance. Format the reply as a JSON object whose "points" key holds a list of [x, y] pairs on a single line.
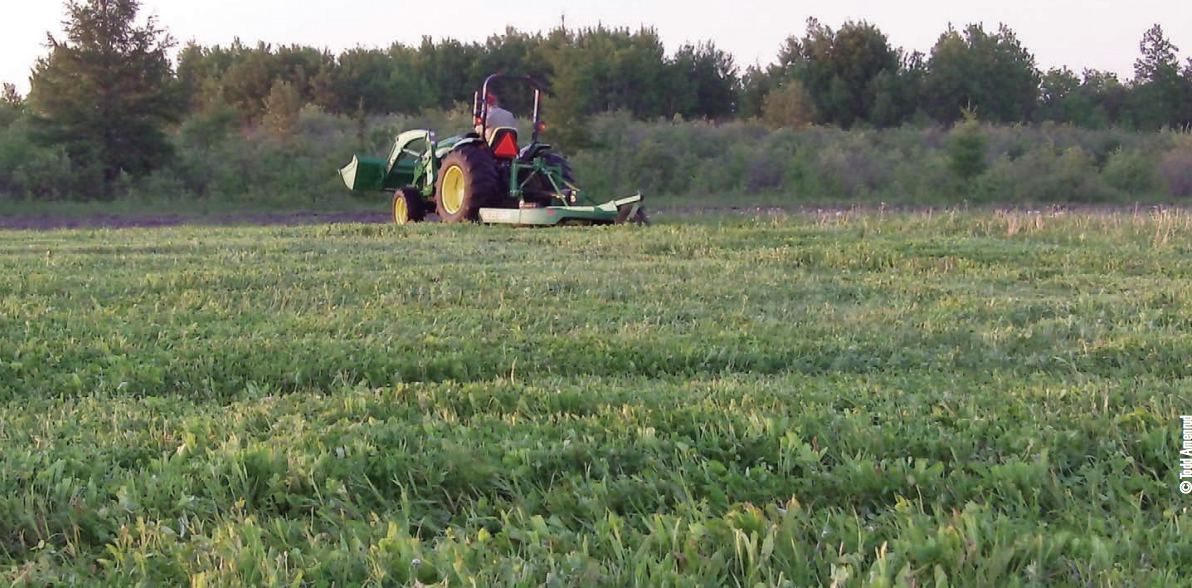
{"points": [[467, 181], [408, 206]]}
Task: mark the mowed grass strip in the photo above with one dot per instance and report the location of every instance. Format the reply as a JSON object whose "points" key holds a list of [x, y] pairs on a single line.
{"points": [[293, 308], [854, 399]]}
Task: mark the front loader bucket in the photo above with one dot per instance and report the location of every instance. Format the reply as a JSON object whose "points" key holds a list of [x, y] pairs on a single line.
{"points": [[403, 167], [364, 174], [624, 210]]}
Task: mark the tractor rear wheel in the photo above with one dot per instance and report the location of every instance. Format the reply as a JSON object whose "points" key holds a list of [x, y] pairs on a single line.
{"points": [[558, 160], [467, 182], [408, 206], [539, 191]]}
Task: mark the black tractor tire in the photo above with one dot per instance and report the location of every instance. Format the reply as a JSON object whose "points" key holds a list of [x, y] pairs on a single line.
{"points": [[408, 206], [540, 187], [467, 182], [559, 160]]}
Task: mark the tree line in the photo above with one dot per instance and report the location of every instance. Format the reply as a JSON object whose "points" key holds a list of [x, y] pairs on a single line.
{"points": [[842, 77], [107, 93]]}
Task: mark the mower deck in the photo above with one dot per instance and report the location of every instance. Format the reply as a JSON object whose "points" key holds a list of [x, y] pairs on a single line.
{"points": [[605, 214]]}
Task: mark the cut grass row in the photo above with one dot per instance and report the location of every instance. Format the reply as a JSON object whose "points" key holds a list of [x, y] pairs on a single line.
{"points": [[292, 308], [964, 399]]}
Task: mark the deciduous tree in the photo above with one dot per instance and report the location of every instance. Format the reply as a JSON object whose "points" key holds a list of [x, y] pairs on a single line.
{"points": [[11, 105], [842, 70], [788, 106], [992, 73], [282, 108]]}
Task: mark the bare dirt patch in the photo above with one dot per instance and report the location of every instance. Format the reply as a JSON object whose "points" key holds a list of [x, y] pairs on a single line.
{"points": [[49, 222]]}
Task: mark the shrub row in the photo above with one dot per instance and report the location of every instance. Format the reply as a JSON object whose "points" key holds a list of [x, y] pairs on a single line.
{"points": [[218, 159]]}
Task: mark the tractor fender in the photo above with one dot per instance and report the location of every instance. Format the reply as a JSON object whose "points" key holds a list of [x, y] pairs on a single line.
{"points": [[533, 150], [443, 150]]}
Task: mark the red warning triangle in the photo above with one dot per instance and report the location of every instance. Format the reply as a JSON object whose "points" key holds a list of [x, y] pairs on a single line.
{"points": [[506, 146]]}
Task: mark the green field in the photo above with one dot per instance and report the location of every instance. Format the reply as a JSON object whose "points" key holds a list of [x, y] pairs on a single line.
{"points": [[927, 399]]}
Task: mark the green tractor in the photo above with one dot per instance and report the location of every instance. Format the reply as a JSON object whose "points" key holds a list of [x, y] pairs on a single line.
{"points": [[483, 175]]}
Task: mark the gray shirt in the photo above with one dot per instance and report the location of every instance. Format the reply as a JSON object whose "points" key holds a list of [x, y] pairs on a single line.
{"points": [[498, 117]]}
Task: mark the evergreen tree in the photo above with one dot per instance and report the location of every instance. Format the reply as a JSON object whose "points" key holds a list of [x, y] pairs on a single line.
{"points": [[1158, 60], [106, 91], [756, 85], [1160, 96], [713, 74], [966, 147]]}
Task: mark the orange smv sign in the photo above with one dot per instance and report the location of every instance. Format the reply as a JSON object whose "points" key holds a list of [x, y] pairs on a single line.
{"points": [[506, 146]]}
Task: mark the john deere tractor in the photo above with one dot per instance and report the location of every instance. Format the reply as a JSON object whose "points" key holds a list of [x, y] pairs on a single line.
{"points": [[485, 175]]}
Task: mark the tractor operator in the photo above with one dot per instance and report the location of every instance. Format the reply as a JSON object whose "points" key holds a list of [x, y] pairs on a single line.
{"points": [[497, 117]]}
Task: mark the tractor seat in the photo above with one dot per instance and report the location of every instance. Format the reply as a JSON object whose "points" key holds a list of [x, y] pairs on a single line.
{"points": [[503, 142]]}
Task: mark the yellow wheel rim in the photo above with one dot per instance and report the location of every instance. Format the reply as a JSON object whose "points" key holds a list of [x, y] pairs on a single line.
{"points": [[401, 212], [453, 189]]}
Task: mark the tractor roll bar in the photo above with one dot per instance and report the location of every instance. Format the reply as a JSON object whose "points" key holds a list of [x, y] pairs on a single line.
{"points": [[480, 103]]}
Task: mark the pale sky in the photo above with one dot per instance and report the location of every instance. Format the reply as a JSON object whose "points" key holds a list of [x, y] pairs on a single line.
{"points": [[1099, 34]]}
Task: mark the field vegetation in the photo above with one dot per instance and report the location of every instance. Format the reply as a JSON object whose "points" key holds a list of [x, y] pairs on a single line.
{"points": [[844, 399], [958, 375]]}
